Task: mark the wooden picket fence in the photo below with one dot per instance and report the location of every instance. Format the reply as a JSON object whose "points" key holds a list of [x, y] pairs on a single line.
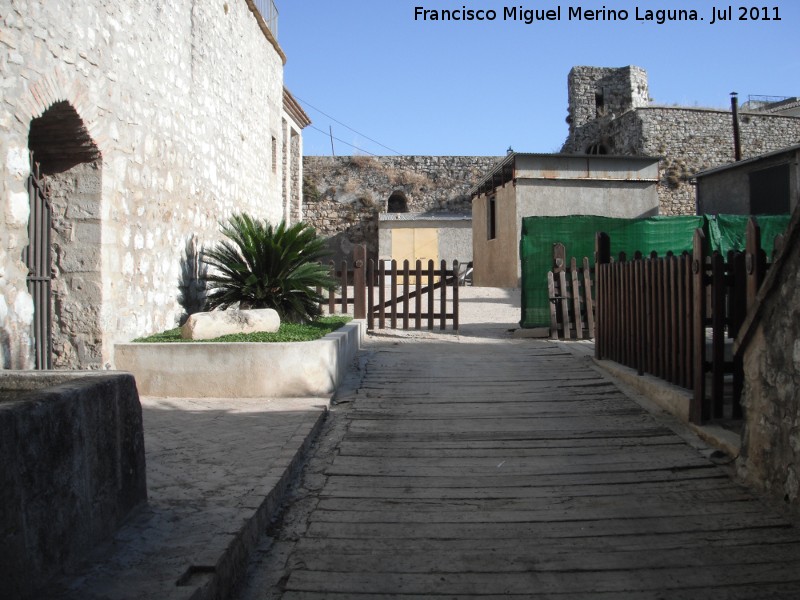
{"points": [[571, 297], [395, 296], [670, 316]]}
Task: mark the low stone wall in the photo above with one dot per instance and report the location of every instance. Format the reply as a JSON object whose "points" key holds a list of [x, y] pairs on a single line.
{"points": [[242, 370], [73, 467]]}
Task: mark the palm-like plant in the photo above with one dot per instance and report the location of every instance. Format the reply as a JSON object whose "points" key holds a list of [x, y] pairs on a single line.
{"points": [[261, 266]]}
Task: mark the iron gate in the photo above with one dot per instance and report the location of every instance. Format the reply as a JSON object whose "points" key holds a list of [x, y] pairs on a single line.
{"points": [[37, 259]]}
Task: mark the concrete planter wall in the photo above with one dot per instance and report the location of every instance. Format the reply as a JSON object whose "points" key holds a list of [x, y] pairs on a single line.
{"points": [[72, 467], [242, 370]]}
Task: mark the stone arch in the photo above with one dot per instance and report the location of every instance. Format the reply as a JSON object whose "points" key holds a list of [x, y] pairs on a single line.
{"points": [[72, 163], [397, 202]]}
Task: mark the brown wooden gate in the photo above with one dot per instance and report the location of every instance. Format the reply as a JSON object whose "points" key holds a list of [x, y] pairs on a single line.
{"points": [[37, 258], [395, 296]]}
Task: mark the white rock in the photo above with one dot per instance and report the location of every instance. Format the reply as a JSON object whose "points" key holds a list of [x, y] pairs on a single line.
{"points": [[210, 325]]}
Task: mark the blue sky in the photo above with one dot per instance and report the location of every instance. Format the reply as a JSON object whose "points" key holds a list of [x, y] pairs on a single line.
{"points": [[476, 88]]}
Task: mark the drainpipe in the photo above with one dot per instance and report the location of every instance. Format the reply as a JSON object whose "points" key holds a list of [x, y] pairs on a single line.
{"points": [[737, 141]]}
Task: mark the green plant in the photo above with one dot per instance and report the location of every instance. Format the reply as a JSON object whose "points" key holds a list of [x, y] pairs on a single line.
{"points": [[261, 266]]}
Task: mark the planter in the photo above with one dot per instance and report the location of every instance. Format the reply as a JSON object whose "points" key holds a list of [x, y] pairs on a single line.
{"points": [[242, 370], [72, 467]]}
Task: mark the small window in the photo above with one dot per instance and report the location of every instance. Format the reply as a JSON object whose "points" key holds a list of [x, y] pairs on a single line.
{"points": [[274, 154], [600, 103], [491, 218]]}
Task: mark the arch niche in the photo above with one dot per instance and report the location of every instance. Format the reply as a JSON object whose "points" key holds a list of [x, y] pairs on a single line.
{"points": [[397, 203], [71, 163]]}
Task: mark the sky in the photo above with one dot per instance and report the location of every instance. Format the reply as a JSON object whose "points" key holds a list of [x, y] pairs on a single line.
{"points": [[389, 84]]}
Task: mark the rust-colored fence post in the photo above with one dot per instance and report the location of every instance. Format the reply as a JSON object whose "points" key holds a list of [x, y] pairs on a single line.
{"points": [[359, 282], [698, 412], [602, 257], [455, 295], [370, 294]]}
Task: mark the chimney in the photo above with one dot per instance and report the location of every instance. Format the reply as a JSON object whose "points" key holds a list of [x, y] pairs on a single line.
{"points": [[737, 141]]}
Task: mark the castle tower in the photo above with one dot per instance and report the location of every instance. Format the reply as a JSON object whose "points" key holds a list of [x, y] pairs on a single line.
{"points": [[598, 92]]}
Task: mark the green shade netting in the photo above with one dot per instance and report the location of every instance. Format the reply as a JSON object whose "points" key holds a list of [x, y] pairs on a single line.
{"points": [[727, 232], [577, 233], [659, 234]]}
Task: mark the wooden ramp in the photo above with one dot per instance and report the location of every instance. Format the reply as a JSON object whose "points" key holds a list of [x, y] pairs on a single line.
{"points": [[511, 469]]}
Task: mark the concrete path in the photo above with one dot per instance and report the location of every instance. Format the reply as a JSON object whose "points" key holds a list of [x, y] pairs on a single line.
{"points": [[216, 473], [481, 466]]}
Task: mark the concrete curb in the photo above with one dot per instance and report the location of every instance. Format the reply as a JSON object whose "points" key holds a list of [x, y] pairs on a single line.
{"points": [[232, 565], [674, 400]]}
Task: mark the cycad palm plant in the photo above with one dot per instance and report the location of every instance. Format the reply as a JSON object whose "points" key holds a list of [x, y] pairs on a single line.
{"points": [[261, 266]]}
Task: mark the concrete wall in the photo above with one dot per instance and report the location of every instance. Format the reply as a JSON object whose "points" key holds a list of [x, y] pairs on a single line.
{"points": [[176, 103], [558, 185], [72, 467], [770, 343], [454, 236], [344, 195], [496, 261]]}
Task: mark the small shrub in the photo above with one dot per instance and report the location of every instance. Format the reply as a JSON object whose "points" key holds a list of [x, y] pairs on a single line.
{"points": [[261, 266]]}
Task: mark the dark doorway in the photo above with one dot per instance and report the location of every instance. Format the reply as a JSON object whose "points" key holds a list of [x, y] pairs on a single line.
{"points": [[769, 191], [71, 163]]}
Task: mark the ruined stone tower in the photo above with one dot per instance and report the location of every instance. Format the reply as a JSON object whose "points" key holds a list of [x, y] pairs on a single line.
{"points": [[598, 95]]}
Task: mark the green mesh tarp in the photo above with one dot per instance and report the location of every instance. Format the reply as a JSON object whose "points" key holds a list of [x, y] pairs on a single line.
{"points": [[659, 234], [727, 232], [577, 233]]}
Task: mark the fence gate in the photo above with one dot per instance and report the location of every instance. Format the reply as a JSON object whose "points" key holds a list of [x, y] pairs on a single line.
{"points": [[395, 296], [37, 259]]}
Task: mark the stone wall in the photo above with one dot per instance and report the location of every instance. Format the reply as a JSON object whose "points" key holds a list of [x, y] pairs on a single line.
{"points": [[689, 140], [770, 454], [343, 195], [72, 468], [179, 100]]}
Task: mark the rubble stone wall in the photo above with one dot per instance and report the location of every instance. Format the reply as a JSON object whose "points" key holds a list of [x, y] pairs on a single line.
{"points": [[689, 140], [771, 437], [343, 195]]}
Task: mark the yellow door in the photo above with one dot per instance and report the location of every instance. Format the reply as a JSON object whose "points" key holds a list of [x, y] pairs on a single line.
{"points": [[413, 245]]}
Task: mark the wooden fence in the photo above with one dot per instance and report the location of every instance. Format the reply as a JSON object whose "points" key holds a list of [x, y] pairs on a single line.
{"points": [[571, 298], [395, 296], [670, 316]]}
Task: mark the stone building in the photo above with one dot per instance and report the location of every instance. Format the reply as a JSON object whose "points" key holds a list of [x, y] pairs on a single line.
{"points": [[152, 122], [344, 196], [610, 112]]}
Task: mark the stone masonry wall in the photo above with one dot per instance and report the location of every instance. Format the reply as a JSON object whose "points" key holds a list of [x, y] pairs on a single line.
{"points": [[770, 454], [343, 195], [181, 99], [690, 140]]}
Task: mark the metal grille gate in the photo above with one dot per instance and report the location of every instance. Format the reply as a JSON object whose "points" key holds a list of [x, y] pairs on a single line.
{"points": [[37, 259]]}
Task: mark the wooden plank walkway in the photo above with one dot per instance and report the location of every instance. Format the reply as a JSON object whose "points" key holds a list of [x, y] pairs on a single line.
{"points": [[511, 469]]}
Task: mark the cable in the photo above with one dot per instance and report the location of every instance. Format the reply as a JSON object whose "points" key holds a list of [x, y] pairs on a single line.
{"points": [[328, 135], [347, 126]]}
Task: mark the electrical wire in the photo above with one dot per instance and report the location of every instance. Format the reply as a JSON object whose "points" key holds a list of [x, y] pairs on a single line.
{"points": [[328, 135], [347, 126]]}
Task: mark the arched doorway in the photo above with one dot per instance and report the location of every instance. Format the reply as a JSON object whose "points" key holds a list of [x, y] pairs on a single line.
{"points": [[70, 161], [397, 203]]}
